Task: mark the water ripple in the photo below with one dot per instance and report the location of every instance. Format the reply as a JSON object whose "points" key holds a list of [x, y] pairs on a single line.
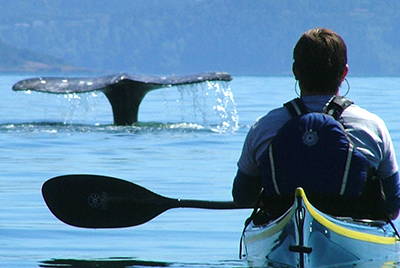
{"points": [[60, 127]]}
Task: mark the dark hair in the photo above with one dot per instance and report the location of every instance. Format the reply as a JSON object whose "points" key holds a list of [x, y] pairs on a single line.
{"points": [[320, 57]]}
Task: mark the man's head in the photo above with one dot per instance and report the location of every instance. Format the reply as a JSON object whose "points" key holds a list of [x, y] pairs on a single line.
{"points": [[320, 62]]}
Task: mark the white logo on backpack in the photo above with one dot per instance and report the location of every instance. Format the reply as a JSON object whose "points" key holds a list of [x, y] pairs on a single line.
{"points": [[310, 137]]}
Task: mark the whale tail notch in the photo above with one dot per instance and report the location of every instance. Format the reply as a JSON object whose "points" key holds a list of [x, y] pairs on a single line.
{"points": [[124, 92]]}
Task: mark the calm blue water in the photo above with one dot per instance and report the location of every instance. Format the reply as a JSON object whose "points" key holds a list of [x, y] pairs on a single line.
{"points": [[186, 146]]}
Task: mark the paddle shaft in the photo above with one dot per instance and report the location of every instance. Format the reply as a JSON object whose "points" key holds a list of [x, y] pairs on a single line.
{"points": [[187, 203]]}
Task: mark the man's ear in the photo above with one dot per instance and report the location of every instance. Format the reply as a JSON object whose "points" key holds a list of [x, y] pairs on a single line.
{"points": [[295, 72], [345, 71]]}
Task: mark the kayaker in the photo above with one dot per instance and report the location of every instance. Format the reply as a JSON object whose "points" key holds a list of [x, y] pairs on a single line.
{"points": [[320, 67]]}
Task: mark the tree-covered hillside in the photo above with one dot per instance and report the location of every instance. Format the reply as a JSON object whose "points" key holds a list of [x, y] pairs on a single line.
{"points": [[185, 36], [23, 60]]}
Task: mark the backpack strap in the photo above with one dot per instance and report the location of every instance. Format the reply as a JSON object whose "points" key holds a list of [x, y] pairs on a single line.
{"points": [[347, 168], [336, 105], [296, 107]]}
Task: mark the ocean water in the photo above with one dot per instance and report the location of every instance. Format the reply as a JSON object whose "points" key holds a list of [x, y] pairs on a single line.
{"points": [[185, 146]]}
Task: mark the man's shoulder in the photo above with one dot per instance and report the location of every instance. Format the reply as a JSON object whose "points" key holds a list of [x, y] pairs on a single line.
{"points": [[274, 116], [357, 113], [267, 125]]}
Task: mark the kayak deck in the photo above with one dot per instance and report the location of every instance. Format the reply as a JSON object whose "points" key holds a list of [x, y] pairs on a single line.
{"points": [[306, 237]]}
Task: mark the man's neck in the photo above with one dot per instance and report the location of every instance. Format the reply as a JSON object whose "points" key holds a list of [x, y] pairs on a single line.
{"points": [[304, 93]]}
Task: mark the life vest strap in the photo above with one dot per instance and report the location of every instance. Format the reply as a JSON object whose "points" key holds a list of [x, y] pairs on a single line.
{"points": [[336, 105], [296, 107]]}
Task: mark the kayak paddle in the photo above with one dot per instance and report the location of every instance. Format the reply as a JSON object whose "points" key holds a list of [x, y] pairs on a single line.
{"points": [[94, 201]]}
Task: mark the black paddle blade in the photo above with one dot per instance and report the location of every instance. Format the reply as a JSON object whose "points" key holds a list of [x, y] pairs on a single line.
{"points": [[93, 201]]}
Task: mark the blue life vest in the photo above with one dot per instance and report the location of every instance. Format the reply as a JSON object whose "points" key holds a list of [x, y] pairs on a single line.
{"points": [[312, 150]]}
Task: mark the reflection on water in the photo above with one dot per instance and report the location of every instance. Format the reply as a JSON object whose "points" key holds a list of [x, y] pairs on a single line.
{"points": [[132, 263], [102, 263]]}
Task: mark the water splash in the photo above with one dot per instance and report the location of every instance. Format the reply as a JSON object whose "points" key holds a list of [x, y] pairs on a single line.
{"points": [[70, 108], [212, 104], [76, 103], [225, 107]]}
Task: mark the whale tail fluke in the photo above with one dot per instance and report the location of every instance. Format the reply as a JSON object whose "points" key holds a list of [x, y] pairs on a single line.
{"points": [[125, 92]]}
